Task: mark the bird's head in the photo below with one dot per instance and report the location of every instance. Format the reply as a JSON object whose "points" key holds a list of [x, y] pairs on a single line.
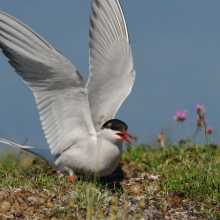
{"points": [[117, 129]]}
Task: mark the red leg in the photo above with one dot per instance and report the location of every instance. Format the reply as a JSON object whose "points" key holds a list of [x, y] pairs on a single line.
{"points": [[71, 179]]}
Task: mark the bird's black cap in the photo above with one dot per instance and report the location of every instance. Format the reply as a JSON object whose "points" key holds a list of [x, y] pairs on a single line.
{"points": [[116, 125]]}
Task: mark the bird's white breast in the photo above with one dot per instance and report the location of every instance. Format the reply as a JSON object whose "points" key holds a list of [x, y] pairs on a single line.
{"points": [[90, 156]]}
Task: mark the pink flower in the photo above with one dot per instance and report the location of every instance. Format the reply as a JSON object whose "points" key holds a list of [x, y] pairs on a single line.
{"points": [[199, 106], [209, 130], [200, 109], [180, 116]]}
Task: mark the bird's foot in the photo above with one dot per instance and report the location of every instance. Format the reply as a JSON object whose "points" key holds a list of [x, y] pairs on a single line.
{"points": [[71, 179]]}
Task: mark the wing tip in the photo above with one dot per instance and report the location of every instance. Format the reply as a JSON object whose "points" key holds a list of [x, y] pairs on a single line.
{"points": [[124, 19], [96, 6], [29, 28]]}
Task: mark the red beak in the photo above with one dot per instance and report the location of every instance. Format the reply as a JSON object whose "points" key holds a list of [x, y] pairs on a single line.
{"points": [[123, 135]]}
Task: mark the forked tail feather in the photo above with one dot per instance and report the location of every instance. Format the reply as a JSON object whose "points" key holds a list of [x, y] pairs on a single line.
{"points": [[45, 154]]}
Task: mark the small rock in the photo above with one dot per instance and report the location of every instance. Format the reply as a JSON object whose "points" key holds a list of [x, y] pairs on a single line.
{"points": [[135, 189], [17, 190], [6, 206], [152, 177], [33, 199]]}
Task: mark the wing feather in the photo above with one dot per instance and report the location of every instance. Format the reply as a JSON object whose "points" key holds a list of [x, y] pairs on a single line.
{"points": [[111, 62], [60, 93]]}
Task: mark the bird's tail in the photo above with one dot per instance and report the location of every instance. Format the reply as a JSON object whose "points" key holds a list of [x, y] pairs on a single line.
{"points": [[13, 144], [45, 154]]}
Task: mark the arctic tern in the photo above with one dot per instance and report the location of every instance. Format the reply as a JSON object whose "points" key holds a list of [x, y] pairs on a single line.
{"points": [[77, 119]]}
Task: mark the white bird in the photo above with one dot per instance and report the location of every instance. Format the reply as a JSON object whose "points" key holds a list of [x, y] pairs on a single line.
{"points": [[77, 119]]}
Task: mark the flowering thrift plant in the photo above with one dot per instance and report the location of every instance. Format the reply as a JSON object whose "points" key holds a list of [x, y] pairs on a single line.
{"points": [[209, 130], [180, 116], [199, 106], [201, 121], [200, 109]]}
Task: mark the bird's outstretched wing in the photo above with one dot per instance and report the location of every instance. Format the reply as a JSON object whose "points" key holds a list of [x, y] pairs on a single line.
{"points": [[111, 62], [59, 90]]}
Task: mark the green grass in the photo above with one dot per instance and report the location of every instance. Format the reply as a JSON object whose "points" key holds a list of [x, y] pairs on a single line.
{"points": [[185, 172], [186, 178]]}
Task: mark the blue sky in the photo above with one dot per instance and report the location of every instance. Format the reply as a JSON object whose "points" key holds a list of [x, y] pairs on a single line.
{"points": [[176, 53]]}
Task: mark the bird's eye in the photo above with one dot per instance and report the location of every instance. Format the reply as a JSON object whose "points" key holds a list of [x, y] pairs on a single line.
{"points": [[113, 127]]}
